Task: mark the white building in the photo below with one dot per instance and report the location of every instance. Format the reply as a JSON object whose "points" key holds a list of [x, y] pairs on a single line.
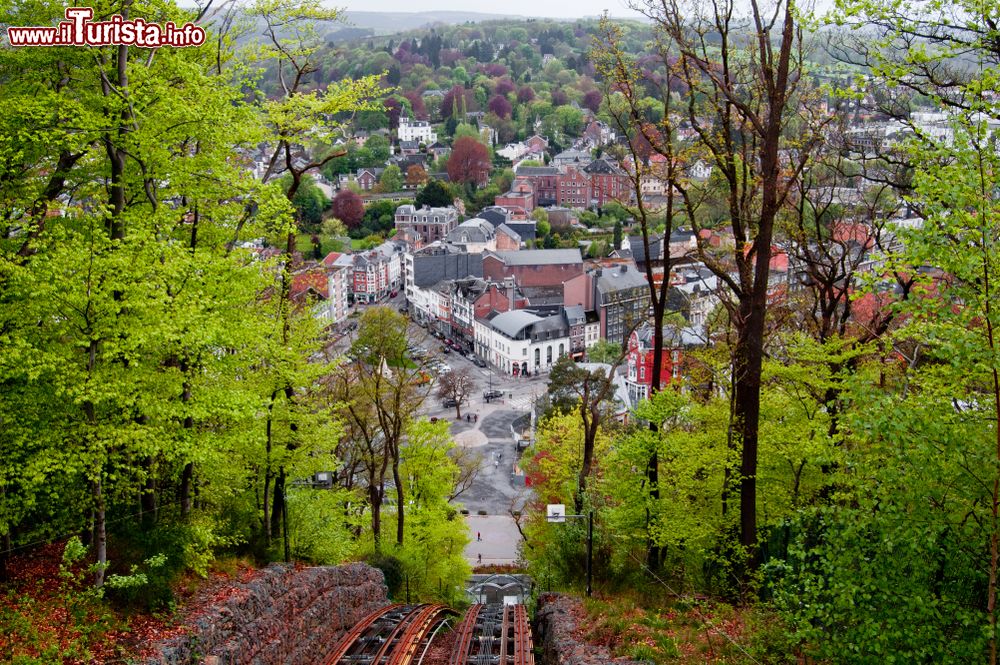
{"points": [[416, 130], [519, 342]]}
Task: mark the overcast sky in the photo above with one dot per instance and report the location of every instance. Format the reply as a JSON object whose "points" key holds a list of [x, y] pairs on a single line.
{"points": [[532, 8]]}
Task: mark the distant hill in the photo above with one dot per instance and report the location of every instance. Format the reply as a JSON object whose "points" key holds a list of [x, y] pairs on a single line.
{"points": [[389, 22]]}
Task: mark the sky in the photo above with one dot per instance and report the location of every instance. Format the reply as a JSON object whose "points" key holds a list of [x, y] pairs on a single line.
{"points": [[528, 8]]}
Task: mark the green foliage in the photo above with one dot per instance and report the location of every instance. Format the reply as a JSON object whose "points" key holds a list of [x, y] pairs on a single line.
{"points": [[434, 194]]}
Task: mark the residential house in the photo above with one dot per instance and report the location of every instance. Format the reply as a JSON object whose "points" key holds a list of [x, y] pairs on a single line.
{"points": [[367, 178], [572, 157], [520, 197], [573, 188], [431, 223], [608, 182], [416, 130], [474, 235], [544, 181], [640, 357]]}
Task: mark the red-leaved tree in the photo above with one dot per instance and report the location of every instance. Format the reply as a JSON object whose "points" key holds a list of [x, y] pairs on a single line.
{"points": [[348, 208], [469, 161], [525, 94], [592, 100], [500, 106]]}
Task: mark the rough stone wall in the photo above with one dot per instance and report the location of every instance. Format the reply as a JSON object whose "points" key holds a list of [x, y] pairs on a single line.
{"points": [[283, 617], [555, 631]]}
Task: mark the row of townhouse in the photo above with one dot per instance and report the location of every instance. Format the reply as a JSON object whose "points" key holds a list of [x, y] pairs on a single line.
{"points": [[457, 293], [572, 185]]}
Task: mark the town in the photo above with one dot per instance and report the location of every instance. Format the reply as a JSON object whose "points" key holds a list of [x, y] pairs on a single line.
{"points": [[373, 337]]}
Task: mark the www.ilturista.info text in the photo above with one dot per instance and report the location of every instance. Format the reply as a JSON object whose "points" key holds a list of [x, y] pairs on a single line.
{"points": [[79, 30]]}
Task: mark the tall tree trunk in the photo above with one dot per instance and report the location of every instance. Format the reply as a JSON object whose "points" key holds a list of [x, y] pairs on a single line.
{"points": [[400, 503], [100, 533]]}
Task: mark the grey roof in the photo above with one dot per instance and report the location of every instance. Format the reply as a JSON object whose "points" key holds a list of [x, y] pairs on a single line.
{"points": [[639, 252], [503, 228], [527, 230], [512, 323], [673, 337], [535, 257], [603, 166], [536, 170], [429, 269], [620, 278], [540, 296], [574, 155], [471, 230], [494, 215], [575, 315]]}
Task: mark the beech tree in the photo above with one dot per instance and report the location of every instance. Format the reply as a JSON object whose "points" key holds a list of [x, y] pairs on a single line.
{"points": [[469, 162], [348, 208]]}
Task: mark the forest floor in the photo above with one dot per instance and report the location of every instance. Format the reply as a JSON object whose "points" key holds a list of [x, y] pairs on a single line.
{"points": [[696, 630], [48, 616]]}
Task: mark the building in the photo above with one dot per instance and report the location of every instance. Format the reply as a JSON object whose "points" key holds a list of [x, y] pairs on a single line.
{"points": [[621, 300], [431, 223], [573, 188], [520, 196], [640, 356], [522, 343], [618, 296], [416, 130], [533, 267], [544, 182], [426, 269], [474, 235], [572, 157], [368, 178], [608, 182], [377, 272]]}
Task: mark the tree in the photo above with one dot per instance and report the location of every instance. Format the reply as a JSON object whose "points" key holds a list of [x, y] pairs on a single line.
{"points": [[456, 385], [435, 194], [499, 106], [591, 394], [391, 179], [617, 234], [348, 208], [758, 182], [416, 176], [604, 352], [525, 94], [469, 162], [378, 148], [592, 100]]}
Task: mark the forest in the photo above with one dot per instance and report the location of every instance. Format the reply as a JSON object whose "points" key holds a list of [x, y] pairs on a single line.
{"points": [[830, 460]]}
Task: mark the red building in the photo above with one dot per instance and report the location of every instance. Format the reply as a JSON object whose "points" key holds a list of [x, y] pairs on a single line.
{"points": [[533, 267], [608, 182], [521, 195], [639, 361], [574, 188]]}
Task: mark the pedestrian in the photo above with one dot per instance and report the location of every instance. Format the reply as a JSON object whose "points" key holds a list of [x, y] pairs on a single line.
{"points": [[480, 558], [479, 536]]}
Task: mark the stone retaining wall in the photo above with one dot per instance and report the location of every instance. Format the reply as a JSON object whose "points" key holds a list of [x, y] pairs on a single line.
{"points": [[283, 617], [555, 631]]}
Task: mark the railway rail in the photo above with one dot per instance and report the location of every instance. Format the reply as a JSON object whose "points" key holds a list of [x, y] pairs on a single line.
{"points": [[492, 634]]}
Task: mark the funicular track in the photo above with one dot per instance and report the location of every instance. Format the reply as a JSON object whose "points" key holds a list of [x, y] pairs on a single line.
{"points": [[392, 635], [494, 635]]}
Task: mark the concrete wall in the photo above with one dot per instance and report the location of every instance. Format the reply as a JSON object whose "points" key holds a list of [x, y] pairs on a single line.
{"points": [[286, 616]]}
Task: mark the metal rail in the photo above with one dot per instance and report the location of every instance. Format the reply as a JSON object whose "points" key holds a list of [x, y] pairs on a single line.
{"points": [[460, 652], [352, 636], [415, 633], [523, 654]]}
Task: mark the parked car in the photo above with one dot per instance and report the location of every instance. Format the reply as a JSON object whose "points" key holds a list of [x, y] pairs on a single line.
{"points": [[449, 403], [479, 362]]}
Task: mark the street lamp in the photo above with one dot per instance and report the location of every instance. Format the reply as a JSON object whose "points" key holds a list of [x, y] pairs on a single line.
{"points": [[556, 512]]}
